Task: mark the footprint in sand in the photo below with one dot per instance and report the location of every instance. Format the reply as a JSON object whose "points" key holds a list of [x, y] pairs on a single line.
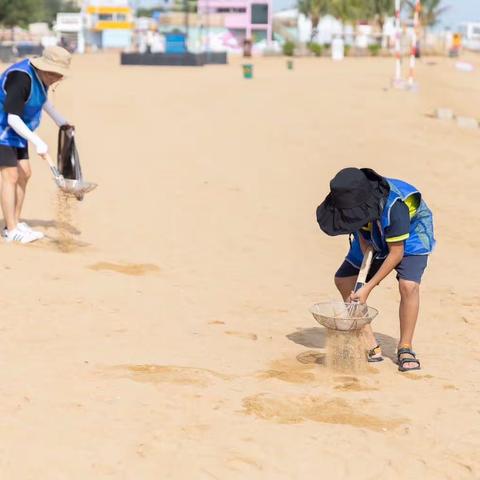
{"points": [[352, 384], [311, 357], [168, 374], [450, 387], [416, 376], [300, 409], [290, 371], [246, 335], [136, 269]]}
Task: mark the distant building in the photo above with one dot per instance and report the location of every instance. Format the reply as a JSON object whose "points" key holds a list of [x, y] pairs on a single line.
{"points": [[244, 19], [470, 32], [69, 31], [108, 23]]}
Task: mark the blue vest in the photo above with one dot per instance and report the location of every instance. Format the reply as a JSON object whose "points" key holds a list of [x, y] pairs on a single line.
{"points": [[33, 108], [421, 240]]}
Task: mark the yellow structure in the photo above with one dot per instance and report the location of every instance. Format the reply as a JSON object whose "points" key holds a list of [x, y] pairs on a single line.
{"points": [[109, 23], [105, 18]]}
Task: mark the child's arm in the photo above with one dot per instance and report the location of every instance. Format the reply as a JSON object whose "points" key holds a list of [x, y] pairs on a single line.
{"points": [[391, 261], [393, 258], [397, 232]]}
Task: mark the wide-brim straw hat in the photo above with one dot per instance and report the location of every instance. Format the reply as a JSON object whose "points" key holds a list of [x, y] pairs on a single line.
{"points": [[54, 59], [357, 196]]}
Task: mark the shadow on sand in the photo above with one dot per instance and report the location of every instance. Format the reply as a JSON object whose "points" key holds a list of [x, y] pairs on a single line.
{"points": [[315, 337], [47, 224]]}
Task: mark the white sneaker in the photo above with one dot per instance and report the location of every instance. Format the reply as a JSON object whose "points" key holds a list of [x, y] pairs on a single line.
{"points": [[25, 227], [20, 236], [5, 232]]}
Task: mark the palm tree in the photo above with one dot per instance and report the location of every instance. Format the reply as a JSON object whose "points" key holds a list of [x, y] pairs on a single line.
{"points": [[430, 12], [349, 10], [379, 10], [313, 9]]}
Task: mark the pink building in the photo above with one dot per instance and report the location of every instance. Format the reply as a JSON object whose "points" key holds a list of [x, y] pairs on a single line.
{"points": [[251, 19]]}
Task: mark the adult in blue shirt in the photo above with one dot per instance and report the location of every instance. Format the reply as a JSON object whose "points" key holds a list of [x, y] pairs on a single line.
{"points": [[23, 96]]}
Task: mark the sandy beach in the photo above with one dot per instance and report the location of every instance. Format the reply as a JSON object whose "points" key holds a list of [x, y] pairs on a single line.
{"points": [[173, 339]]}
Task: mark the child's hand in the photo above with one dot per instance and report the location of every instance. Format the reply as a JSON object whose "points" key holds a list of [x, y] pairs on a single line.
{"points": [[360, 295]]}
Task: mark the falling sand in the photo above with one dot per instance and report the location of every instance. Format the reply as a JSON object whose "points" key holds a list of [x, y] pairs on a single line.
{"points": [[345, 351], [65, 212]]}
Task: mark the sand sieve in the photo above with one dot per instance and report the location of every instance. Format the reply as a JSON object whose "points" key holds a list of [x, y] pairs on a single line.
{"points": [[347, 316]]}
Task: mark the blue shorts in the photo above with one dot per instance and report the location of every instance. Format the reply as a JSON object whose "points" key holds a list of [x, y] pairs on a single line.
{"points": [[410, 268]]}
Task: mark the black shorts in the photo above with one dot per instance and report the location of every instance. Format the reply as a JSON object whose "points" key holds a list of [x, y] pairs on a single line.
{"points": [[410, 268], [9, 156]]}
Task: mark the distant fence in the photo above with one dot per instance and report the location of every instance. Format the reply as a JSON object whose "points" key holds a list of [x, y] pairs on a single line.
{"points": [[167, 59]]}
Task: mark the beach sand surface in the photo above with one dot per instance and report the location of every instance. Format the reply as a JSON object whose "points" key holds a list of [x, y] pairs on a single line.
{"points": [[173, 340]]}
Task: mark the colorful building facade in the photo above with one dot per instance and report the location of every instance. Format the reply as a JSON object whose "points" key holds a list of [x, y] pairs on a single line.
{"points": [[244, 19], [108, 23]]}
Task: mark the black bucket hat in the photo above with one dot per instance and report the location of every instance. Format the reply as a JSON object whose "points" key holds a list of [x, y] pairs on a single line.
{"points": [[357, 196]]}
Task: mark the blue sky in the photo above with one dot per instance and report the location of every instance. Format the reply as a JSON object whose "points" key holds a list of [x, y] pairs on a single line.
{"points": [[459, 11]]}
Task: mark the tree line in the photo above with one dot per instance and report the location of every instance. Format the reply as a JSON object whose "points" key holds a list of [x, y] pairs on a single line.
{"points": [[22, 12], [377, 11]]}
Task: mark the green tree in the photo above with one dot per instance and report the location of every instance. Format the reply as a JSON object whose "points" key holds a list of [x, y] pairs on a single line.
{"points": [[380, 10], [431, 11], [22, 12], [314, 9], [349, 10], [18, 12], [48, 9]]}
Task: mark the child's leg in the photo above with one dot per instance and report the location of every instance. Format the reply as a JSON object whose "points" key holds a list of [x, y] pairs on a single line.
{"points": [[409, 306], [345, 285], [369, 338], [410, 271], [345, 279]]}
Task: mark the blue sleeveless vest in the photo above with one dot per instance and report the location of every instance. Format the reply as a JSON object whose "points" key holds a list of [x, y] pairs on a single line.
{"points": [[421, 240], [33, 108]]}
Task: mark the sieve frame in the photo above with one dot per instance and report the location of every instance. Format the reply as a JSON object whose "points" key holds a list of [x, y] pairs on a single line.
{"points": [[343, 321]]}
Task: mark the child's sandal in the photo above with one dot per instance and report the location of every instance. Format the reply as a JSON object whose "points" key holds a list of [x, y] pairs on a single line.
{"points": [[375, 354], [410, 359]]}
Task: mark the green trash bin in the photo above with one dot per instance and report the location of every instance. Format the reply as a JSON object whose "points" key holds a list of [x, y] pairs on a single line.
{"points": [[247, 70], [290, 64]]}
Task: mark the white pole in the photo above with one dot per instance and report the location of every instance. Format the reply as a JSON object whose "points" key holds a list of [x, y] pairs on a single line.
{"points": [[413, 50], [398, 33]]}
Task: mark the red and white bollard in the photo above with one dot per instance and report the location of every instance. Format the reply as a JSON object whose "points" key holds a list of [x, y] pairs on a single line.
{"points": [[397, 79], [413, 50]]}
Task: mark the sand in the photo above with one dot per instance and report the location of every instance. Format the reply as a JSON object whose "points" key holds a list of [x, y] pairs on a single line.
{"points": [[173, 339], [345, 351]]}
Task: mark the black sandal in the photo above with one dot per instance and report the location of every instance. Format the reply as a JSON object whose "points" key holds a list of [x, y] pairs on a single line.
{"points": [[377, 350], [402, 361]]}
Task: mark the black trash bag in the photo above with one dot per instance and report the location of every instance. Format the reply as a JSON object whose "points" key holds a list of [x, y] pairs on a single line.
{"points": [[68, 161], [68, 164]]}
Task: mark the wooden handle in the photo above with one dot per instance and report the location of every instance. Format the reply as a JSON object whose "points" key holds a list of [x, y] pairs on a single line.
{"points": [[362, 275]]}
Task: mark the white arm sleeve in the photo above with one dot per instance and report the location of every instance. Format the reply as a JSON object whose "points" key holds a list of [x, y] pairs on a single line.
{"points": [[54, 115], [19, 126]]}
